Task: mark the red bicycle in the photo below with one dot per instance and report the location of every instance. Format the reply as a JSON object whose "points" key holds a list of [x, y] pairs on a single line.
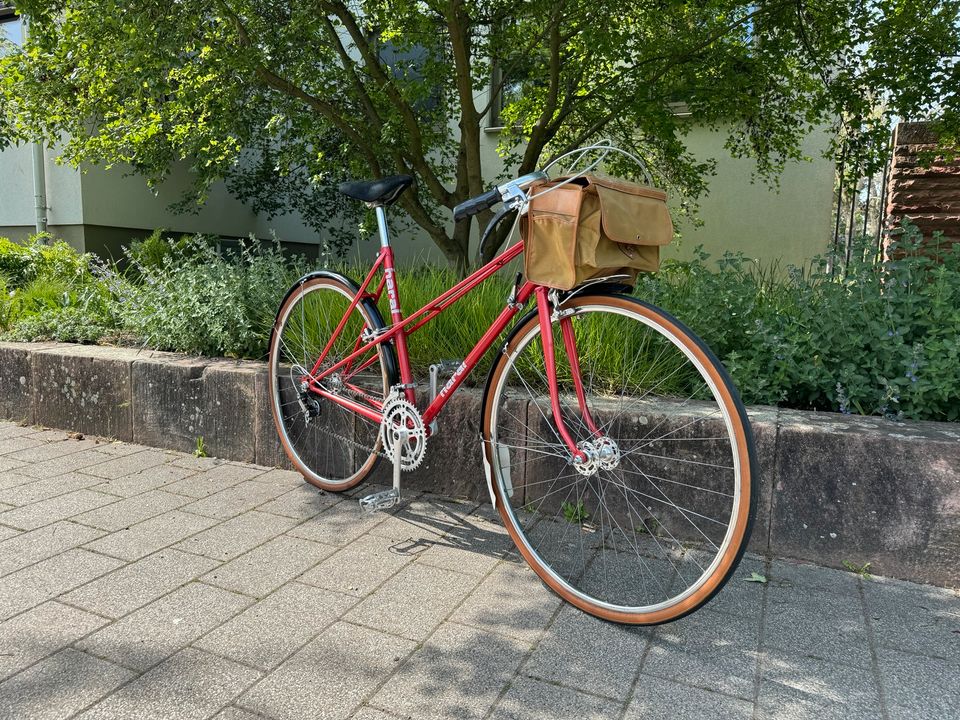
{"points": [[616, 448]]}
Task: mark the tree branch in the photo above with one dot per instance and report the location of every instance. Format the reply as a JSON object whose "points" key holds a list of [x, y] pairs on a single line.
{"points": [[417, 154], [285, 86], [539, 135], [346, 62]]}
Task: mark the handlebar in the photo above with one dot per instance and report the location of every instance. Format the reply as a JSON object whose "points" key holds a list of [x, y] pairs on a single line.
{"points": [[477, 204], [509, 193]]}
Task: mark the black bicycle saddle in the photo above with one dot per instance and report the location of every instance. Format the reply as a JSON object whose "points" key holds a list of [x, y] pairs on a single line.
{"points": [[377, 193]]}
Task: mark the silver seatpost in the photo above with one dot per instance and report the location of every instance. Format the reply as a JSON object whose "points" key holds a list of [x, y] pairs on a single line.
{"points": [[382, 226]]}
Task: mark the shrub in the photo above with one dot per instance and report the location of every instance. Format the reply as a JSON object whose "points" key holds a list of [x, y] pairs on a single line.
{"points": [[39, 280], [877, 339], [207, 302], [22, 263], [156, 250], [880, 339], [63, 324]]}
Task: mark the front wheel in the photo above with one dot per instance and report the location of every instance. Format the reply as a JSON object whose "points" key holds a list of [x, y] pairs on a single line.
{"points": [[656, 519]]}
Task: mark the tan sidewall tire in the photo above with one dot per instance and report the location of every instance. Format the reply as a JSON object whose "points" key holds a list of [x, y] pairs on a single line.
{"points": [[309, 475], [741, 432]]}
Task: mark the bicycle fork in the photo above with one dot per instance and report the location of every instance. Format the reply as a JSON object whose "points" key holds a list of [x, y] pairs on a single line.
{"points": [[546, 317]]}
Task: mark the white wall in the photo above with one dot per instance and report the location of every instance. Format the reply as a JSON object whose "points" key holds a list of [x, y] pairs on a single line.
{"points": [[117, 199], [790, 224], [17, 194]]}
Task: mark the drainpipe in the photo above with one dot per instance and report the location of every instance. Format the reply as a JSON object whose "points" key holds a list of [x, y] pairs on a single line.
{"points": [[39, 170], [39, 188]]}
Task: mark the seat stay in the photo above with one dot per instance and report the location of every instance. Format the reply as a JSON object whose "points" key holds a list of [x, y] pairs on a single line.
{"points": [[346, 316]]}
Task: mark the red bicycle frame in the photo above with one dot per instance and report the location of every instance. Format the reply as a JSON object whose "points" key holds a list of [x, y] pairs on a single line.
{"points": [[401, 328]]}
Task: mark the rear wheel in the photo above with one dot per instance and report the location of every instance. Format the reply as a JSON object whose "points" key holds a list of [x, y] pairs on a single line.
{"points": [[334, 448], [649, 527]]}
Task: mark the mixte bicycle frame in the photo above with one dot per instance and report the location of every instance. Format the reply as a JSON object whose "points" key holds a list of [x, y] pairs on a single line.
{"points": [[402, 328]]}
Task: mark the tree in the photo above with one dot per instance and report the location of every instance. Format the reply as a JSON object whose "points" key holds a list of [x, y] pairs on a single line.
{"points": [[284, 99]]}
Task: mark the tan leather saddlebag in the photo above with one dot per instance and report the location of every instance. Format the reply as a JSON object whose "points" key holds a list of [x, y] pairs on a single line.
{"points": [[593, 227]]}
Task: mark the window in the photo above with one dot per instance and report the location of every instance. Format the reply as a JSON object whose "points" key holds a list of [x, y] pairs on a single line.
{"points": [[522, 75], [11, 30]]}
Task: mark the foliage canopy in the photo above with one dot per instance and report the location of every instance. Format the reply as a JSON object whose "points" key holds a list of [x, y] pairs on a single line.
{"points": [[284, 99]]}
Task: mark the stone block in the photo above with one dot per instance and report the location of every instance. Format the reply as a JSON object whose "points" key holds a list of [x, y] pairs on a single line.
{"points": [[191, 684], [510, 601], [296, 690], [360, 567], [168, 402], [31, 547], [264, 569], [154, 632], [229, 410], [714, 651], [60, 686], [266, 633], [666, 699], [49, 578], [45, 489], [16, 375], [798, 629], [918, 686], [868, 490], [235, 500], [576, 640], [138, 583], [236, 536], [434, 591], [42, 631], [794, 685], [324, 453], [301, 502], [339, 525], [458, 673], [268, 449], [218, 477], [132, 510], [127, 465], [917, 619], [453, 465], [763, 422], [914, 133], [529, 699], [149, 536], [84, 388], [38, 514]]}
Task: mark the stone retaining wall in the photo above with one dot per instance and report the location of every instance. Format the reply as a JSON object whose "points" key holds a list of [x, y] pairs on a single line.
{"points": [[833, 488]]}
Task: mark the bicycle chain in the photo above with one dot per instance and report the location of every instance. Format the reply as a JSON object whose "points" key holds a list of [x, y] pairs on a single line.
{"points": [[351, 441]]}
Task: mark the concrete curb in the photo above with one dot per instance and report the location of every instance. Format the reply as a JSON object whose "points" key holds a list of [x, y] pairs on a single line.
{"points": [[833, 488]]}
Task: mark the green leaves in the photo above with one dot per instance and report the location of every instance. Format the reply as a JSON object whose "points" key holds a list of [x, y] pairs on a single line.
{"points": [[882, 339], [575, 513], [283, 100]]}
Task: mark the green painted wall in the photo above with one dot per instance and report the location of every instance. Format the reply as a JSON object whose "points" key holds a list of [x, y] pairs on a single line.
{"points": [[789, 224], [101, 210]]}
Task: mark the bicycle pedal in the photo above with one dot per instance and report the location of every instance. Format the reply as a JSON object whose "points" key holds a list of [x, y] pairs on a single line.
{"points": [[379, 501]]}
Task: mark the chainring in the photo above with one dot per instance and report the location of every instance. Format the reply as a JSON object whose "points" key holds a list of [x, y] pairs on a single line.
{"points": [[397, 415]]}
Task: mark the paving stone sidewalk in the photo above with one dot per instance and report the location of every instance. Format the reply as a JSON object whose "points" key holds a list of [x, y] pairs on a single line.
{"points": [[139, 583]]}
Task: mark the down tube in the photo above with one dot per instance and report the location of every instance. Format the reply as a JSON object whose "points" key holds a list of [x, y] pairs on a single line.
{"points": [[467, 366]]}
